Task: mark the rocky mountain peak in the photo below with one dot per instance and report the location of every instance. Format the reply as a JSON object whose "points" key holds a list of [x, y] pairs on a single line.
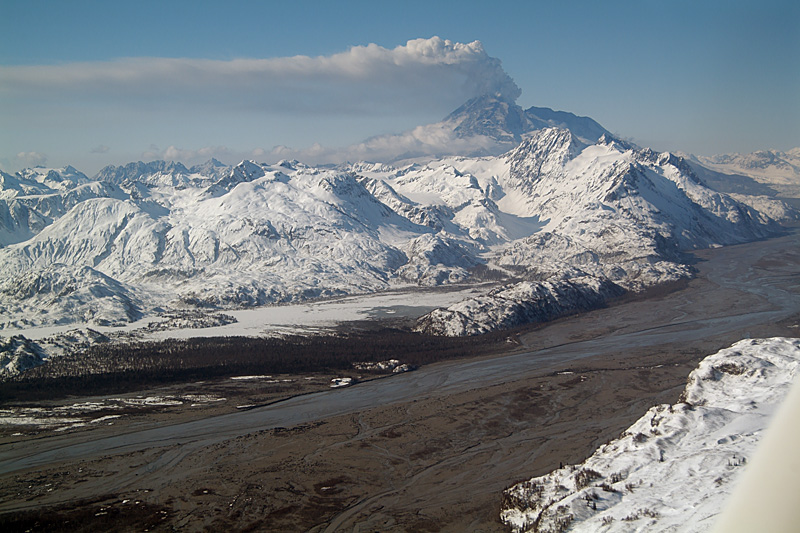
{"points": [[507, 123], [491, 116], [137, 170]]}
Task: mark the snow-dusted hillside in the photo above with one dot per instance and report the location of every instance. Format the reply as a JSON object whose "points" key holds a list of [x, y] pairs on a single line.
{"points": [[18, 353], [518, 304], [569, 211], [607, 211], [553, 212], [674, 468]]}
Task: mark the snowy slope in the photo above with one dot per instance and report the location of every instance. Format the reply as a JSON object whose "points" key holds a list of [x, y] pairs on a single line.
{"points": [[673, 469], [609, 212], [558, 210], [619, 188], [610, 198], [255, 236], [34, 198], [61, 294], [55, 178]]}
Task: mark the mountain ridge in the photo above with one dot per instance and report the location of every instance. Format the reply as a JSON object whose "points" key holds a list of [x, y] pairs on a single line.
{"points": [[507, 123], [689, 453], [555, 207]]}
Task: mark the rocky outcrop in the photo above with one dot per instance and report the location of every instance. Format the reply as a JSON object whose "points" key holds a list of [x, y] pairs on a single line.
{"points": [[519, 304]]}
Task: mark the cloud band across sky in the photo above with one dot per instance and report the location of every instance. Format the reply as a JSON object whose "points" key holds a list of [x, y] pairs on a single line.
{"points": [[362, 79], [90, 114]]}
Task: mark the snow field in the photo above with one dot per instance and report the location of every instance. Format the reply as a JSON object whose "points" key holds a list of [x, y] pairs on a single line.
{"points": [[675, 467]]}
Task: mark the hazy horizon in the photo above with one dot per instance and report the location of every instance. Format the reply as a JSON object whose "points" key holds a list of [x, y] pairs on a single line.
{"points": [[90, 84]]}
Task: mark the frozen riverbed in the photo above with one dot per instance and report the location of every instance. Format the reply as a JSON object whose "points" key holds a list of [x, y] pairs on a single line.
{"points": [[283, 319]]}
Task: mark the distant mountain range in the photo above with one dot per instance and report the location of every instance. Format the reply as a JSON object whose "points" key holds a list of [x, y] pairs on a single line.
{"points": [[568, 210], [767, 172], [765, 164]]}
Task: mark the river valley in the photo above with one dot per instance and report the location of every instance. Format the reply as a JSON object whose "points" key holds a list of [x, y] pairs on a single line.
{"points": [[429, 450]]}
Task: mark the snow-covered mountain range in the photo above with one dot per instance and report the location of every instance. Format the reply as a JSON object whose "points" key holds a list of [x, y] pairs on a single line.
{"points": [[675, 467], [573, 213], [766, 172], [767, 165]]}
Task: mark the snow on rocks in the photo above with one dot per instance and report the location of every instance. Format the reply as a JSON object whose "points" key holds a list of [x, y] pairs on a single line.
{"points": [[769, 207], [61, 294], [608, 211], [337, 383], [18, 353], [393, 365], [379, 366], [519, 304], [435, 260], [159, 236], [673, 469]]}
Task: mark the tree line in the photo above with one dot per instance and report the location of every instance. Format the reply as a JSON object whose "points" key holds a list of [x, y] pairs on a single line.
{"points": [[115, 368]]}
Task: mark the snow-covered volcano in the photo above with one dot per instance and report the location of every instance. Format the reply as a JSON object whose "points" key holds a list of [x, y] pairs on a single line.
{"points": [[558, 206], [507, 123], [486, 125]]}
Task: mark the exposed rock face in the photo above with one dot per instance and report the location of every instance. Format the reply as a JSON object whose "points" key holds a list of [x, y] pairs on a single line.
{"points": [[519, 304], [507, 124]]}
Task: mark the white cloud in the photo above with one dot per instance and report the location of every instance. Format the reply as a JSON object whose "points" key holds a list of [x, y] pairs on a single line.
{"points": [[238, 104], [31, 159], [362, 80], [191, 157], [430, 140]]}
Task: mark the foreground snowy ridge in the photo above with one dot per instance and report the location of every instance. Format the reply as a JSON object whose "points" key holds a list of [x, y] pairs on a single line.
{"points": [[673, 469]]}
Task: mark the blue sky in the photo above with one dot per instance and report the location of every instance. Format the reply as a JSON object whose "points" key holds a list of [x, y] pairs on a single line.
{"points": [[702, 77]]}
